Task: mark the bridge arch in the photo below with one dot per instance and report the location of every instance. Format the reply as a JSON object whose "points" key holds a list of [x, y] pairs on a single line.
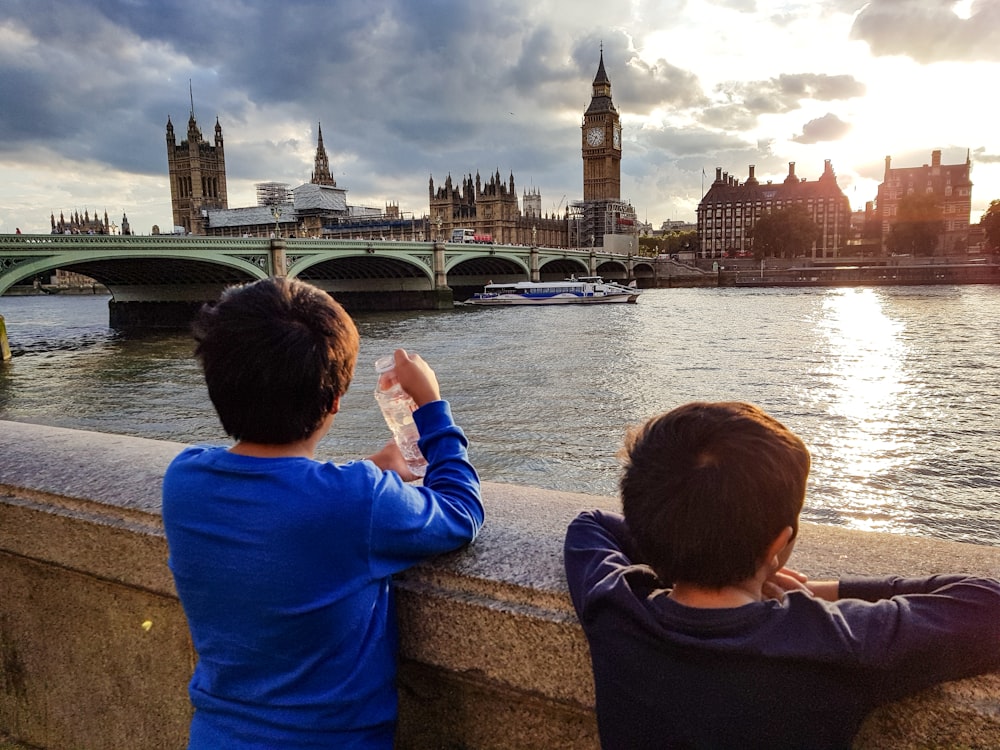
{"points": [[556, 269], [362, 272], [128, 277], [644, 270], [613, 269]]}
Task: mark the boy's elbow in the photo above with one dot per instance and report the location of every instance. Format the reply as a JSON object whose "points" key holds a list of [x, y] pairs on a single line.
{"points": [[477, 517]]}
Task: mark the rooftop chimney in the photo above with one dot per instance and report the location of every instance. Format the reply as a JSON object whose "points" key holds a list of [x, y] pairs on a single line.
{"points": [[935, 158]]}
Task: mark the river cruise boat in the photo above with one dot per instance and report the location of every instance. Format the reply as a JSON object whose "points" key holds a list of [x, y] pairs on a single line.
{"points": [[585, 290]]}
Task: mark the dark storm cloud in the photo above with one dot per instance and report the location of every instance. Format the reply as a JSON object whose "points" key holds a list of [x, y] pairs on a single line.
{"points": [[829, 127], [929, 31], [394, 77]]}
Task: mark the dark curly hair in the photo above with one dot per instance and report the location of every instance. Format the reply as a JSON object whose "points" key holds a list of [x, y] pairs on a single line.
{"points": [[276, 355], [707, 487]]}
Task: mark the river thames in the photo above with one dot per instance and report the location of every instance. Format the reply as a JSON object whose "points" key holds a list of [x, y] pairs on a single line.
{"points": [[895, 390]]}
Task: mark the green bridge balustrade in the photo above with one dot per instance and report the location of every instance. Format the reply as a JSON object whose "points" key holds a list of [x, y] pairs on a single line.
{"points": [[160, 280]]}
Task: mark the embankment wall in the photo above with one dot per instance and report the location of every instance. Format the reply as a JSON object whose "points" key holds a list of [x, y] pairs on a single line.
{"points": [[94, 650]]}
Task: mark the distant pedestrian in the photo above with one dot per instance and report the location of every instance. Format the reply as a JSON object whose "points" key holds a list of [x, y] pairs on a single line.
{"points": [[17, 231]]}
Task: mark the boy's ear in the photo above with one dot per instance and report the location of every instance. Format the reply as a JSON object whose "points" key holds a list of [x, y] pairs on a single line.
{"points": [[779, 550], [336, 405]]}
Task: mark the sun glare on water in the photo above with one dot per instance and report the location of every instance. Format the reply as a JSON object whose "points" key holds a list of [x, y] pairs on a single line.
{"points": [[866, 371]]}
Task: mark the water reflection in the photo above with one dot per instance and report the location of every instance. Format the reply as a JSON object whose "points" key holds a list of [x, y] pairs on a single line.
{"points": [[866, 377]]}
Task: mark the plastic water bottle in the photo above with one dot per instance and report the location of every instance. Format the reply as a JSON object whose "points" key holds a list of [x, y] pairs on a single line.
{"points": [[397, 408]]}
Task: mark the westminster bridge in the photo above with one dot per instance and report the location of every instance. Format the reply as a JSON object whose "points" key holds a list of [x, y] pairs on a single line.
{"points": [[161, 280]]}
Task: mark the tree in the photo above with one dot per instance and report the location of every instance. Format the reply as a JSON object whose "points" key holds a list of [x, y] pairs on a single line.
{"points": [[990, 222], [668, 243], [784, 233], [918, 225]]}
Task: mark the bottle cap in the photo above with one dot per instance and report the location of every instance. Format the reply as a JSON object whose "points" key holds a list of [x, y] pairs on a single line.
{"points": [[385, 363]]}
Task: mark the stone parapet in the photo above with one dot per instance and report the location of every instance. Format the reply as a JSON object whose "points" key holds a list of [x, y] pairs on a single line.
{"points": [[94, 650]]}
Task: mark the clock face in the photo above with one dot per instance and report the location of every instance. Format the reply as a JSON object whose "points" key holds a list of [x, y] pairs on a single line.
{"points": [[595, 136], [617, 137]]}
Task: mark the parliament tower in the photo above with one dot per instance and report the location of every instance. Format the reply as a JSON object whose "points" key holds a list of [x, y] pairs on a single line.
{"points": [[601, 143], [602, 218], [197, 175]]}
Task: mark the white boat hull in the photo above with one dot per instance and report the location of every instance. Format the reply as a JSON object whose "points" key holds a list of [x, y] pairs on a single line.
{"points": [[567, 299], [587, 290]]}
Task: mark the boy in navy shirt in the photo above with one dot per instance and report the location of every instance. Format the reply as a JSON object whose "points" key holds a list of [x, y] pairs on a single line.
{"points": [[699, 635]]}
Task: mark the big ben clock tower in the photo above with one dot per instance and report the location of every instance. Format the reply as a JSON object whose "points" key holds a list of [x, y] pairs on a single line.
{"points": [[602, 143]]}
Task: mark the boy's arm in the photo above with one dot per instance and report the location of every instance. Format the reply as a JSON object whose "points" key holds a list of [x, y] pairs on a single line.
{"points": [[412, 523], [598, 547], [925, 630]]}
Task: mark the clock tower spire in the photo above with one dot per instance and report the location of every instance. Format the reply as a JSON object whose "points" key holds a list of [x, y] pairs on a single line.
{"points": [[601, 142]]}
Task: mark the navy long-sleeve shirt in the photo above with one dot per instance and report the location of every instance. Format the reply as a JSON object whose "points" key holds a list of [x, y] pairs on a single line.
{"points": [[797, 673]]}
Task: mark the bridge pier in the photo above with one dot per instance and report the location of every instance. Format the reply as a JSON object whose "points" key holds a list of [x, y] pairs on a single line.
{"points": [[175, 315], [4, 345], [276, 252], [431, 299]]}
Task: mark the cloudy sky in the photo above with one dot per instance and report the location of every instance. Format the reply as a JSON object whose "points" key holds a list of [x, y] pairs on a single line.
{"points": [[410, 89]]}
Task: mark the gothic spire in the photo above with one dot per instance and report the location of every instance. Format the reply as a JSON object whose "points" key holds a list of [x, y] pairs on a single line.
{"points": [[321, 171], [601, 98]]}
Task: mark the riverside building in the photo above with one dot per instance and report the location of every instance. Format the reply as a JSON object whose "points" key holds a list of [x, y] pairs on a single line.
{"points": [[728, 211], [950, 184]]}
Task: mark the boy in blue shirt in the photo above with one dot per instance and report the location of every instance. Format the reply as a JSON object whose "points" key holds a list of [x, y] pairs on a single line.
{"points": [[701, 638], [283, 563]]}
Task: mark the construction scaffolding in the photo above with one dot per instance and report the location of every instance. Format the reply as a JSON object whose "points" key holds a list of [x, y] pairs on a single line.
{"points": [[273, 194], [590, 222]]}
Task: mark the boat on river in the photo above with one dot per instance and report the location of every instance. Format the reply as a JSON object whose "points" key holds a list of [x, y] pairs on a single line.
{"points": [[585, 290]]}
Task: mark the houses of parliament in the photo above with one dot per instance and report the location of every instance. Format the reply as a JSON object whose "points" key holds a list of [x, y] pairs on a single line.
{"points": [[490, 206]]}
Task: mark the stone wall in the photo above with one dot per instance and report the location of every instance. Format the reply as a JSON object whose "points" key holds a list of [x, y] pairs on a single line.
{"points": [[94, 651]]}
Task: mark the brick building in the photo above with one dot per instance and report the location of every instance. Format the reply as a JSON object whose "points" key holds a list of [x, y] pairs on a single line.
{"points": [[729, 210], [949, 183]]}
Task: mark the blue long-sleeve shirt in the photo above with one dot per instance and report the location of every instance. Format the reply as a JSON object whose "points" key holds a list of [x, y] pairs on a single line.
{"points": [[797, 673], [283, 567]]}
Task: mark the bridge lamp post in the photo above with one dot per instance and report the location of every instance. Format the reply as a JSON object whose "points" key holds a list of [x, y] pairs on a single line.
{"points": [[114, 228], [439, 222], [276, 213]]}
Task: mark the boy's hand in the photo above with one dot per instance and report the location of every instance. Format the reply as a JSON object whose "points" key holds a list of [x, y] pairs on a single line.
{"points": [[416, 377], [390, 459], [782, 581]]}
